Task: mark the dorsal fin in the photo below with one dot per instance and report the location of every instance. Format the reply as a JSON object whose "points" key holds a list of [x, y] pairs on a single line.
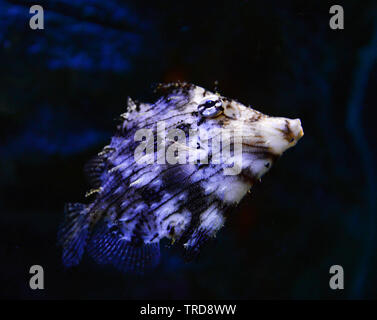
{"points": [[131, 104], [93, 170]]}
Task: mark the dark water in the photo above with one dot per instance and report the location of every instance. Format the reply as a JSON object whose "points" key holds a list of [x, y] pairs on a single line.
{"points": [[62, 87]]}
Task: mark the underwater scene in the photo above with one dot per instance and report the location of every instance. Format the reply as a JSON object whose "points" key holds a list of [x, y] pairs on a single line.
{"points": [[171, 150]]}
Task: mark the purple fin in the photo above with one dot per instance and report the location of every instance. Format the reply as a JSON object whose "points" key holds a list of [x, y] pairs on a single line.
{"points": [[93, 170], [106, 246], [73, 233]]}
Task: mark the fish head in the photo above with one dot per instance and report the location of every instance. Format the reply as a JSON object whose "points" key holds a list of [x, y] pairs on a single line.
{"points": [[263, 138]]}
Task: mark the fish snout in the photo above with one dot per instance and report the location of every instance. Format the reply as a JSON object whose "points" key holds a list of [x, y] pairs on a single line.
{"points": [[284, 134], [295, 131]]}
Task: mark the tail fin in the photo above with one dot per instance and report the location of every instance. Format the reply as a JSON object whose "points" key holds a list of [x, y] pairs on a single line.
{"points": [[73, 233], [108, 247]]}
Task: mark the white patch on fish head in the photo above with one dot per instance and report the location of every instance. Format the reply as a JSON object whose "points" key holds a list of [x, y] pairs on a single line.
{"points": [[264, 138]]}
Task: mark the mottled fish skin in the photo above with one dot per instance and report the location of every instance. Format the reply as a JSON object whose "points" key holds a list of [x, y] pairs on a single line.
{"points": [[135, 205]]}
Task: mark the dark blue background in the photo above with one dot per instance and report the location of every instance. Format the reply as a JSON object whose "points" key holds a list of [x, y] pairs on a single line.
{"points": [[62, 87]]}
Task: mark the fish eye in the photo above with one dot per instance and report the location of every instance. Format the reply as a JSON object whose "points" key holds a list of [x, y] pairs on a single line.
{"points": [[211, 108]]}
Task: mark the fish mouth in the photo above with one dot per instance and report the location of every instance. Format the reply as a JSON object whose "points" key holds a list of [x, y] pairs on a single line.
{"points": [[296, 130], [300, 134]]}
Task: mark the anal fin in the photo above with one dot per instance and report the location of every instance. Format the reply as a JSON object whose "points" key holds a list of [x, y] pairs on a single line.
{"points": [[107, 246]]}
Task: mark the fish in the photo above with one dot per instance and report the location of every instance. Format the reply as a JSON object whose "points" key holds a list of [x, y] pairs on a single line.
{"points": [[166, 175]]}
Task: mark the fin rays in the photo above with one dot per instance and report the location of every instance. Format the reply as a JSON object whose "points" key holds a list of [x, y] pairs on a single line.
{"points": [[73, 233], [108, 247]]}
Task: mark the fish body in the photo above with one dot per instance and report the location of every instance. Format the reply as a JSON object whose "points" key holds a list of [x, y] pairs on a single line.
{"points": [[165, 174]]}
